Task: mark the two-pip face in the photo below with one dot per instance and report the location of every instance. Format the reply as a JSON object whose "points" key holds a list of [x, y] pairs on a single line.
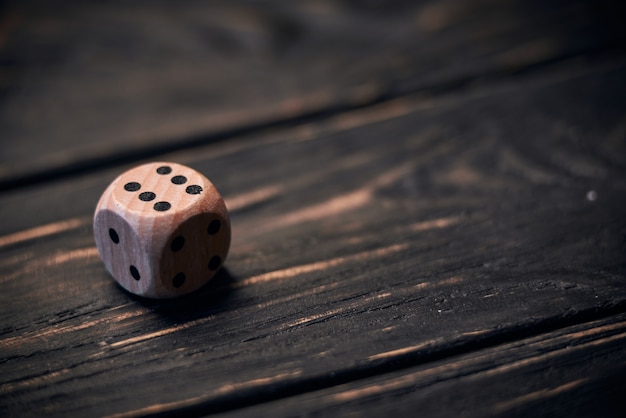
{"points": [[162, 230]]}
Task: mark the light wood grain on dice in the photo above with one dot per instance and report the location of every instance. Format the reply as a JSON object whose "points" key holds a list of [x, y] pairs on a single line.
{"points": [[191, 206]]}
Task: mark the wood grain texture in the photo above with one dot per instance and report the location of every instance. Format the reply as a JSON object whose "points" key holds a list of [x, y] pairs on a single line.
{"points": [[365, 243], [563, 372], [94, 84]]}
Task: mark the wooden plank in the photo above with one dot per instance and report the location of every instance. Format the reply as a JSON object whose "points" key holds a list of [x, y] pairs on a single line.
{"points": [[439, 225], [577, 371], [91, 84]]}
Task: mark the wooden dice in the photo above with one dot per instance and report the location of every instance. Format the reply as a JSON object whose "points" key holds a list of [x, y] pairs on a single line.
{"points": [[162, 230]]}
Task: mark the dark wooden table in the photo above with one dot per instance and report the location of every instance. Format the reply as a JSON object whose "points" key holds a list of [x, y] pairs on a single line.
{"points": [[428, 203]]}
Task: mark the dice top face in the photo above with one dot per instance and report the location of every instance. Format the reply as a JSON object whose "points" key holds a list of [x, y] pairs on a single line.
{"points": [[160, 188], [162, 230]]}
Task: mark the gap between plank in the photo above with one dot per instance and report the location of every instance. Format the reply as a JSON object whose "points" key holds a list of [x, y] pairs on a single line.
{"points": [[284, 386], [92, 164]]}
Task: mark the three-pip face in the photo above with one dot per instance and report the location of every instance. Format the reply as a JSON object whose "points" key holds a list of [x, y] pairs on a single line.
{"points": [[162, 230]]}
